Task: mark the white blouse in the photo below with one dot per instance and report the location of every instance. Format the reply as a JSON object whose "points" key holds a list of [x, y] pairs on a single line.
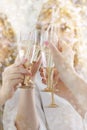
{"points": [[64, 117]]}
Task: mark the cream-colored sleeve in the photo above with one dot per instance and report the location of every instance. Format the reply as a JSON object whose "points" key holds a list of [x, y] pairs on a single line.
{"points": [[40, 111], [63, 117], [1, 111], [10, 112]]}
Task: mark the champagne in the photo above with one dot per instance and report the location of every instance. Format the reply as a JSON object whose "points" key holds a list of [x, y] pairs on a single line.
{"points": [[47, 58], [48, 64], [33, 56], [35, 53], [32, 52], [49, 72]]}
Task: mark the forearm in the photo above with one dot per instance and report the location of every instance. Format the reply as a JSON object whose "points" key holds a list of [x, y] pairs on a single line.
{"points": [[76, 84], [2, 98], [27, 115], [70, 77]]}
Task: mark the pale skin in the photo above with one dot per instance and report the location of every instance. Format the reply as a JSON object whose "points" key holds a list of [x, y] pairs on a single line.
{"points": [[27, 115], [72, 85], [26, 110], [12, 76], [61, 89], [69, 84], [74, 82]]}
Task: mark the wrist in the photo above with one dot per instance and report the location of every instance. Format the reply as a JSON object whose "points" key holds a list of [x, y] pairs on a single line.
{"points": [[27, 92], [26, 95], [3, 98], [28, 85]]}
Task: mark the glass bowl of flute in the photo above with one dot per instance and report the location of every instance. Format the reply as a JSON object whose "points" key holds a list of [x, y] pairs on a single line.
{"points": [[48, 36], [29, 49]]}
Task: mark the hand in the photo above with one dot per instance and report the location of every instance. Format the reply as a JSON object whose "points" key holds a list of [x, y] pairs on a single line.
{"points": [[63, 59], [33, 68], [56, 78], [11, 77]]}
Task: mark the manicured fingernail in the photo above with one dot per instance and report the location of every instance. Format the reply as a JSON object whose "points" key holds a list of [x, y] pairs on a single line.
{"points": [[46, 43], [25, 60], [19, 85], [30, 74]]}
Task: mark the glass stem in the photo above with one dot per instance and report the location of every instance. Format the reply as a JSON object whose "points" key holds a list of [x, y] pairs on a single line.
{"points": [[49, 71], [53, 101]]}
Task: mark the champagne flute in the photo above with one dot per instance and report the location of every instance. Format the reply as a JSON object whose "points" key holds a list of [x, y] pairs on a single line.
{"points": [[23, 41], [46, 60], [50, 35], [29, 49], [53, 38]]}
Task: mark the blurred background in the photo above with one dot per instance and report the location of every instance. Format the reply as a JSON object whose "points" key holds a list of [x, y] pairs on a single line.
{"points": [[8, 45]]}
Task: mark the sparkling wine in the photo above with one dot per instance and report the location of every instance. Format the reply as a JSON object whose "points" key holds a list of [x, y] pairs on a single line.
{"points": [[35, 53], [49, 72]]}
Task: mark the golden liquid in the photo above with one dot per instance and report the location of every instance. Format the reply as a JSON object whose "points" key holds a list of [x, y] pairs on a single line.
{"points": [[49, 71], [35, 53], [33, 56]]}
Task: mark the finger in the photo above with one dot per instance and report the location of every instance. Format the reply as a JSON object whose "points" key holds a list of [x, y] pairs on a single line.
{"points": [[54, 50], [59, 59], [16, 70], [46, 76], [42, 74], [19, 85], [23, 70], [44, 81], [16, 82], [37, 64], [56, 86], [9, 67], [16, 76], [19, 62], [41, 69], [23, 61], [59, 46], [55, 70], [55, 75], [35, 67]]}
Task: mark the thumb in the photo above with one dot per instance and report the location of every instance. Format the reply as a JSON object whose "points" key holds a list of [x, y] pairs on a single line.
{"points": [[57, 56], [19, 61], [35, 66], [54, 50]]}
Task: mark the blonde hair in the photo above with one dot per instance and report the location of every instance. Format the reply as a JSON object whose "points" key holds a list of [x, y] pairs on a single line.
{"points": [[6, 28], [68, 18], [65, 19], [8, 50]]}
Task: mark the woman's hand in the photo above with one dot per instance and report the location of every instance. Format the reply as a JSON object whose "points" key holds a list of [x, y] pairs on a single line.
{"points": [[56, 78], [34, 68], [27, 115], [11, 77]]}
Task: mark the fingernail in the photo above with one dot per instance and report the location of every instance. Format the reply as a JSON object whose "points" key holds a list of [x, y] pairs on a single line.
{"points": [[46, 43], [30, 74], [19, 85], [25, 59]]}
